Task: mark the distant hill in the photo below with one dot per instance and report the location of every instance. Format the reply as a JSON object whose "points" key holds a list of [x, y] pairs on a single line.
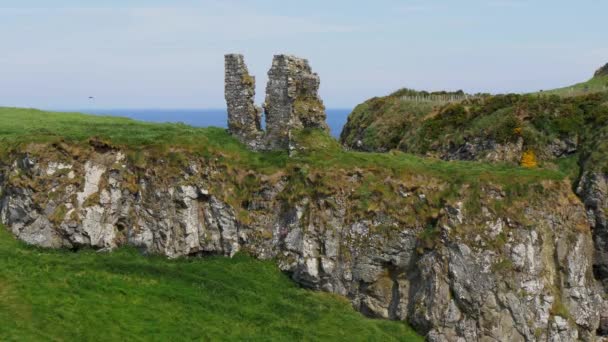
{"points": [[479, 127], [599, 83], [603, 71]]}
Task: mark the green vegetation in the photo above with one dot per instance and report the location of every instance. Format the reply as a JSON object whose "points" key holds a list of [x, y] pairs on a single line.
{"points": [[383, 124], [559, 309], [19, 127], [142, 141], [415, 122], [319, 168], [397, 117], [594, 85], [325, 152], [91, 296]]}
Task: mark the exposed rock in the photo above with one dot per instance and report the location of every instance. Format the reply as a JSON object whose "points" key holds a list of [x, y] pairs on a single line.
{"points": [[562, 147], [244, 117], [484, 149], [521, 275], [490, 151], [593, 189]]}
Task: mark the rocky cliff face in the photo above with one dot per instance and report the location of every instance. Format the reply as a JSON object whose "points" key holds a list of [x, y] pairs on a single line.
{"points": [[479, 265], [526, 130]]}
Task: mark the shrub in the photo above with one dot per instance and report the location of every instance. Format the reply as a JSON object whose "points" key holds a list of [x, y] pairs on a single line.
{"points": [[528, 159]]}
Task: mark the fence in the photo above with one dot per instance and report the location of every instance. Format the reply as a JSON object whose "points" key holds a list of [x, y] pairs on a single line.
{"points": [[443, 98]]}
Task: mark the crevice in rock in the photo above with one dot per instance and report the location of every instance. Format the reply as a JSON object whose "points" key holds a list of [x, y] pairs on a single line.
{"points": [[395, 295], [100, 146]]}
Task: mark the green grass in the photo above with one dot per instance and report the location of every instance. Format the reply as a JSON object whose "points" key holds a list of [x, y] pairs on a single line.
{"points": [[397, 116], [23, 126], [31, 125], [594, 85], [326, 152], [90, 296]]}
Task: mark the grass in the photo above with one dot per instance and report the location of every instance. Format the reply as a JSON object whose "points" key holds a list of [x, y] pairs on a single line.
{"points": [[325, 152], [24, 126], [90, 296], [594, 85], [397, 116], [19, 127], [537, 120], [31, 125]]}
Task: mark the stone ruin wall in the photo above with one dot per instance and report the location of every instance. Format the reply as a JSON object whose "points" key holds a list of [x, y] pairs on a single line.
{"points": [[292, 102], [244, 118]]}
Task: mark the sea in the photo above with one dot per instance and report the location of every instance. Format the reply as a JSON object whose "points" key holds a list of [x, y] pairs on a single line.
{"points": [[336, 118]]}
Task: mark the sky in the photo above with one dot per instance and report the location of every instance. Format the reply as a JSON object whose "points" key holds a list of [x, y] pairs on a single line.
{"points": [[169, 53]]}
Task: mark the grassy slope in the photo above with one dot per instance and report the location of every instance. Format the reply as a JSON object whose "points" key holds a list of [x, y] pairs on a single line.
{"points": [[89, 296], [390, 123], [594, 85]]}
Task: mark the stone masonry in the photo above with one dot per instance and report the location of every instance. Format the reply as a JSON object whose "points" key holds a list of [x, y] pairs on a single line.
{"points": [[239, 90], [292, 102]]}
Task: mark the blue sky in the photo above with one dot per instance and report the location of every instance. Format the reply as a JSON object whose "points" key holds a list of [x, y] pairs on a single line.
{"points": [[169, 54]]}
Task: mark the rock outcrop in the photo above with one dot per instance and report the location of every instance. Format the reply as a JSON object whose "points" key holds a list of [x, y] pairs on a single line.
{"points": [[455, 273], [244, 118], [292, 102]]}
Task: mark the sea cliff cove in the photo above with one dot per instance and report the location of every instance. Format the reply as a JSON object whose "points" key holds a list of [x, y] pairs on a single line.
{"points": [[435, 215]]}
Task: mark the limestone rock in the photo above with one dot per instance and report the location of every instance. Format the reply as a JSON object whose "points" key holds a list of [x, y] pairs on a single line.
{"points": [[515, 276]]}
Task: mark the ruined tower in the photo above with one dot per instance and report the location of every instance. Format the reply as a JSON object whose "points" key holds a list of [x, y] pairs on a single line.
{"points": [[239, 90], [292, 102]]}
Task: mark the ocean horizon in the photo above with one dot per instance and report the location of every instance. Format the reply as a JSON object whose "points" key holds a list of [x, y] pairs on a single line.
{"points": [[336, 117]]}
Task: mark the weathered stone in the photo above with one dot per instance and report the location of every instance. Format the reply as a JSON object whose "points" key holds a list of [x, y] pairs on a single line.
{"points": [[292, 100], [244, 117], [593, 190], [504, 286]]}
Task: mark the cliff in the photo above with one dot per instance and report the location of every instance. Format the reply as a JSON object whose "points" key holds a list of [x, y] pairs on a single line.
{"points": [[458, 249], [561, 129]]}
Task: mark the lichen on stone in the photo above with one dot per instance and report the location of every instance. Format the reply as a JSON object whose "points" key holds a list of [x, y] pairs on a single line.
{"points": [[292, 102], [244, 120]]}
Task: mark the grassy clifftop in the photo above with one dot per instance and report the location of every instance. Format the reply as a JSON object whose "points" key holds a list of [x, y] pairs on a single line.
{"points": [[499, 127], [22, 127], [441, 124]]}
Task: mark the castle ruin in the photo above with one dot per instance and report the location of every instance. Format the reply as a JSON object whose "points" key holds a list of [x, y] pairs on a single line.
{"points": [[292, 102]]}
